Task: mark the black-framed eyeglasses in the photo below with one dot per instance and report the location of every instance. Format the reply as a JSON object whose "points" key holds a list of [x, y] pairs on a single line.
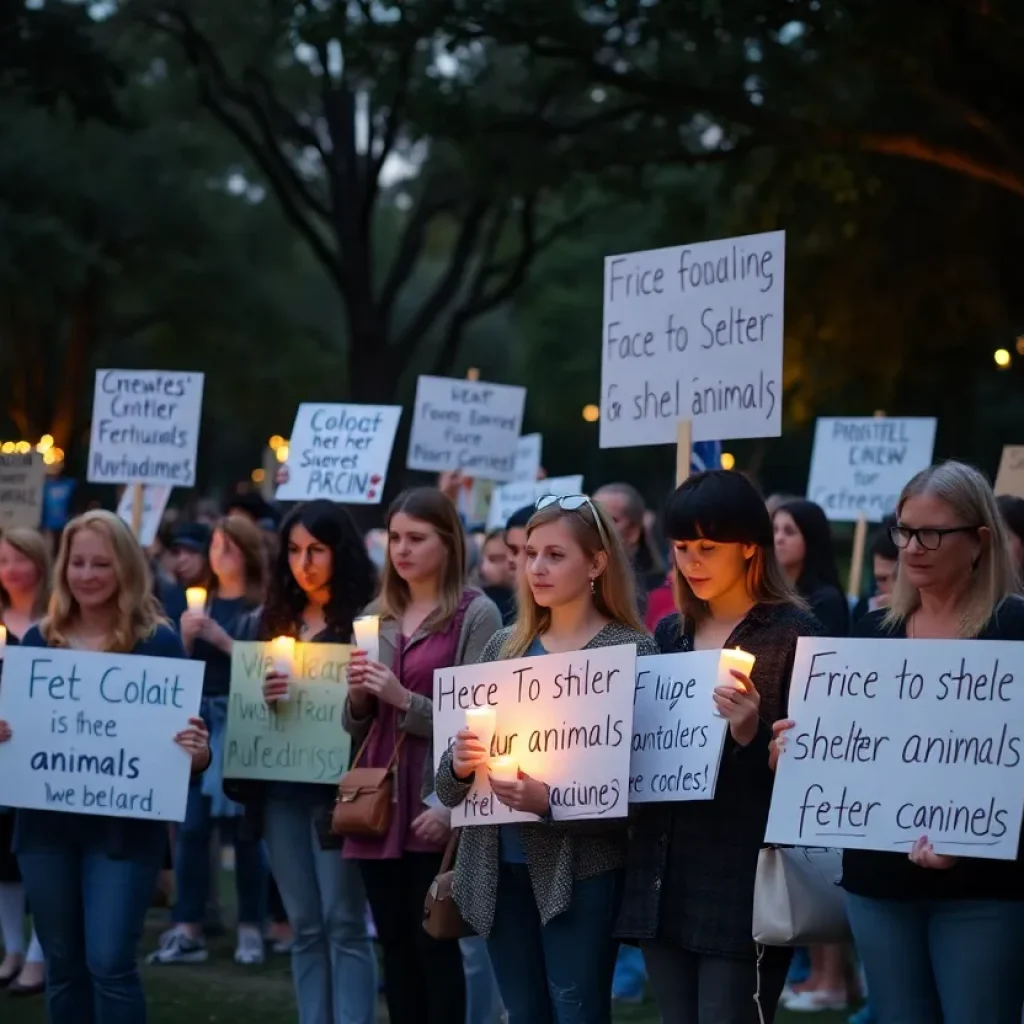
{"points": [[929, 537], [573, 503]]}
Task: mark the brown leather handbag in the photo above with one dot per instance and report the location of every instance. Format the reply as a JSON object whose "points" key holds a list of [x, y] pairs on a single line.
{"points": [[441, 916], [365, 797]]}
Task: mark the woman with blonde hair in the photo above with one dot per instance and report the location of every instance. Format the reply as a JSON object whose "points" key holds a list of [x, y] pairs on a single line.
{"points": [[941, 937], [25, 570], [690, 879], [546, 895], [90, 878]]}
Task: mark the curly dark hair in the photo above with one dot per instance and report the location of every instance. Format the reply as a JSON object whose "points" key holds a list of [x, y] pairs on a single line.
{"points": [[353, 579]]}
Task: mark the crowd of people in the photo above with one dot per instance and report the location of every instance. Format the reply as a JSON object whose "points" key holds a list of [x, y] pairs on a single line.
{"points": [[566, 916]]}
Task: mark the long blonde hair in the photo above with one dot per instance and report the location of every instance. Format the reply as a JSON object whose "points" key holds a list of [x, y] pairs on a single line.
{"points": [[966, 491], [138, 610], [614, 589], [33, 546]]}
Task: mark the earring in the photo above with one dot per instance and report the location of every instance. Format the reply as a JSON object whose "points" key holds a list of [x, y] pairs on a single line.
{"points": [[593, 586]]}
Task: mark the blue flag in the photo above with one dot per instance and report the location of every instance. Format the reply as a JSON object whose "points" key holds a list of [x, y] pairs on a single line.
{"points": [[706, 455]]}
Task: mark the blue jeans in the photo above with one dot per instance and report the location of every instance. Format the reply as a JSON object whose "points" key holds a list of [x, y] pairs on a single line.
{"points": [[483, 1000], [334, 969], [192, 865], [561, 972], [957, 961], [89, 910]]}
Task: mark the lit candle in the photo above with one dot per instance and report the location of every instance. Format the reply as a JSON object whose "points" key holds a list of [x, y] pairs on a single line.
{"points": [[504, 769], [733, 658], [3, 640], [282, 649], [367, 635], [195, 597], [481, 722]]}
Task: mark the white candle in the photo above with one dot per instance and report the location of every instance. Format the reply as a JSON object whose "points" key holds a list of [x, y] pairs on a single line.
{"points": [[3, 640], [195, 597], [733, 658], [481, 722], [367, 635], [282, 650], [504, 769]]}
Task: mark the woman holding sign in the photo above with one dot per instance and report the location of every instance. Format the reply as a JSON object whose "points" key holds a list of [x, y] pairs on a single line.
{"points": [[546, 895], [89, 877], [690, 879], [429, 619], [25, 569], [941, 937]]}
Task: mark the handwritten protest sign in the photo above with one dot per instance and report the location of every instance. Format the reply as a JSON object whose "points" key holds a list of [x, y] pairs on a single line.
{"points": [[466, 425], [528, 455], [677, 737], [21, 490], [861, 464], [340, 452], [154, 504], [565, 719], [510, 498], [301, 739], [1010, 478], [145, 427], [94, 733], [902, 739], [693, 333]]}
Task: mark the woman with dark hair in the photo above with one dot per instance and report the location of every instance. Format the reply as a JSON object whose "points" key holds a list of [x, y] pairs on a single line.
{"points": [[1012, 510], [691, 865], [321, 581], [429, 619], [803, 547]]}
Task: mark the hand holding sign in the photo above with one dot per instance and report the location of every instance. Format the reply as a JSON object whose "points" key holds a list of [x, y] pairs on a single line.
{"points": [[195, 741], [529, 796]]}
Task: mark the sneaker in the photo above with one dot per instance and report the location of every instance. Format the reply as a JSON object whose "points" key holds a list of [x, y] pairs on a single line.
{"points": [[249, 951], [816, 1002], [178, 948]]}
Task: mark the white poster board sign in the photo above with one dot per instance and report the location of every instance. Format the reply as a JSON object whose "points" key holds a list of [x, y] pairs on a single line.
{"points": [[528, 456], [94, 733], [901, 739], [340, 452], [22, 477], [154, 504], [693, 332], [510, 498], [145, 427], [566, 719], [861, 464], [677, 737], [1010, 478], [466, 425]]}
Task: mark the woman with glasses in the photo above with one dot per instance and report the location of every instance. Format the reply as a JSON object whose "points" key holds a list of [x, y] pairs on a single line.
{"points": [[546, 895], [941, 937]]}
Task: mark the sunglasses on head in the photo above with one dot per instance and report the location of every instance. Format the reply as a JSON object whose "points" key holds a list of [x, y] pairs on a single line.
{"points": [[573, 503]]}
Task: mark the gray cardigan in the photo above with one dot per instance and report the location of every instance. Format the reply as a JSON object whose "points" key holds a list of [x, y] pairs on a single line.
{"points": [[481, 621], [557, 853]]}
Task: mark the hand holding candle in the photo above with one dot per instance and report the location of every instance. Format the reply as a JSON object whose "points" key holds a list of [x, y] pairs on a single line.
{"points": [[735, 697], [366, 632], [481, 723], [282, 651], [504, 769], [195, 598]]}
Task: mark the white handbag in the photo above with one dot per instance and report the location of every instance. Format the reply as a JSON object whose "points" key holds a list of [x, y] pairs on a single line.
{"points": [[797, 898]]}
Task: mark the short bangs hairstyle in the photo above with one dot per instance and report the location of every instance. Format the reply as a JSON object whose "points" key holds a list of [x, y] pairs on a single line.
{"points": [[724, 507]]}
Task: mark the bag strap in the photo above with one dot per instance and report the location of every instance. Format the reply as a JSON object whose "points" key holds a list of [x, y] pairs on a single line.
{"points": [[449, 851], [362, 748]]}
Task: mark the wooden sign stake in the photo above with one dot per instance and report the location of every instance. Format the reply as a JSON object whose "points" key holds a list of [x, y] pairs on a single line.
{"points": [[137, 509], [860, 536], [684, 450]]}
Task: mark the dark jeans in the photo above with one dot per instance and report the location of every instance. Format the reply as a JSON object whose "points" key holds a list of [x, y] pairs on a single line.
{"points": [[941, 960], [89, 910], [559, 972], [192, 865], [692, 988], [424, 981]]}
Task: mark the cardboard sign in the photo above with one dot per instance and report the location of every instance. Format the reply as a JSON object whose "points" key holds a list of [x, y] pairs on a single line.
{"points": [[340, 452], [145, 427], [528, 456], [902, 739], [1010, 478], [466, 425], [693, 333], [94, 733], [22, 478], [677, 737], [301, 739], [510, 498], [861, 464], [154, 504], [565, 719]]}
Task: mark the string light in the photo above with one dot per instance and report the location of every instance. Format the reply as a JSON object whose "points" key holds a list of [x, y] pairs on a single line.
{"points": [[591, 413], [258, 476], [275, 442], [728, 460], [1002, 358], [281, 451]]}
